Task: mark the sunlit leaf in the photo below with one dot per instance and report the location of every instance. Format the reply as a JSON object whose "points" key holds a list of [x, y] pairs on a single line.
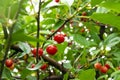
{"points": [[109, 19]]}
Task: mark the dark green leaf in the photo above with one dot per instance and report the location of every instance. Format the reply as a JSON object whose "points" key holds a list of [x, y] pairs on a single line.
{"points": [[7, 74], [25, 73], [66, 76], [58, 24]]}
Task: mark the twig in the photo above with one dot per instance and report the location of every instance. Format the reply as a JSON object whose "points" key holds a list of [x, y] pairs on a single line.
{"points": [[55, 64], [102, 31], [38, 31], [5, 31], [32, 5]]}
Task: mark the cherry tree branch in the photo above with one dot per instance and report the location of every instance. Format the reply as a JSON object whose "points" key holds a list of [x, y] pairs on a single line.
{"points": [[5, 32], [38, 31]]}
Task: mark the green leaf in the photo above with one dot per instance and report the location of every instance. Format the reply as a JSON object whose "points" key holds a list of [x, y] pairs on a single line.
{"points": [[44, 32], [7, 74], [117, 77], [94, 31], [66, 76], [111, 5], [112, 40], [67, 65], [58, 24], [48, 21], [21, 36], [31, 78], [24, 73], [95, 2], [109, 19], [37, 66], [115, 73], [8, 8], [102, 10], [116, 53], [12, 10], [60, 54], [82, 40], [25, 48], [83, 57], [87, 75], [67, 2], [95, 37], [103, 77]]}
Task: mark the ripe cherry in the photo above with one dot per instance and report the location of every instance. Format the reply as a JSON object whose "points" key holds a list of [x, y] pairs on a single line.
{"points": [[40, 51], [84, 19], [84, 13], [51, 49], [9, 62], [44, 66], [33, 65], [103, 69], [59, 38], [82, 30], [107, 65], [97, 65], [57, 1]]}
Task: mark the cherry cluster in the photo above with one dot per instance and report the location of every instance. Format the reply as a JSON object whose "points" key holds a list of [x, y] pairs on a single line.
{"points": [[43, 67], [102, 68], [50, 49]]}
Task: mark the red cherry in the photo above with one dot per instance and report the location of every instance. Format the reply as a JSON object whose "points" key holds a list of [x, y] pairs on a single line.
{"points": [[97, 65], [40, 51], [9, 62], [82, 30], [44, 66], [51, 49], [103, 69], [107, 65], [84, 13], [84, 19], [33, 65], [59, 38], [57, 1]]}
